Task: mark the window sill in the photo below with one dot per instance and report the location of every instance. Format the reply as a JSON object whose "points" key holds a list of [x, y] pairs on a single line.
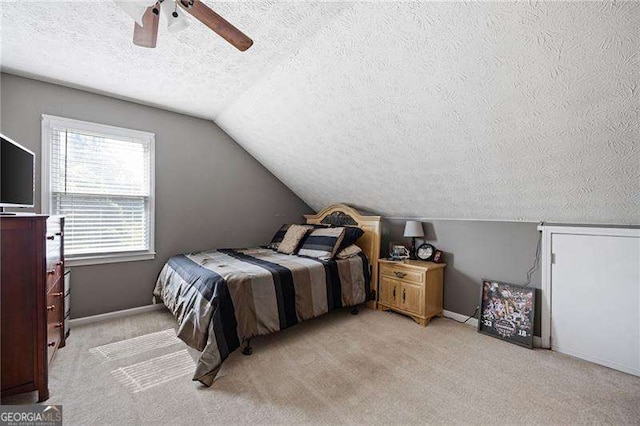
{"points": [[109, 258]]}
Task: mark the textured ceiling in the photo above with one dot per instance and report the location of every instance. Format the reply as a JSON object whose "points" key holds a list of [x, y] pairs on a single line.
{"points": [[506, 111], [88, 44]]}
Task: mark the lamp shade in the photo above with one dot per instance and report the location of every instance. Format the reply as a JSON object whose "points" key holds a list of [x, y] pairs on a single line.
{"points": [[174, 23], [413, 228]]}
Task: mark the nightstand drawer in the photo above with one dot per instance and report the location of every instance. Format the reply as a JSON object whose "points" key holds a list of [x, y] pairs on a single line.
{"points": [[400, 273]]}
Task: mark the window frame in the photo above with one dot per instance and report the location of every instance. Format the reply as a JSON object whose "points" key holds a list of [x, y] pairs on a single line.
{"points": [[48, 123]]}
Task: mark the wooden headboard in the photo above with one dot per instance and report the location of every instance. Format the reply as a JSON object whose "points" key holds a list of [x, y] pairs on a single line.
{"points": [[343, 215]]}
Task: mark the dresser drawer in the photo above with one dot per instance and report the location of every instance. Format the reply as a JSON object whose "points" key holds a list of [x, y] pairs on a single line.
{"points": [[55, 295], [54, 249], [54, 239], [54, 336], [401, 273], [54, 252], [54, 274], [55, 317]]}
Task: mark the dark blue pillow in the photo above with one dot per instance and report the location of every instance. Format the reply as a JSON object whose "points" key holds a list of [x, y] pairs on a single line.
{"points": [[351, 235]]}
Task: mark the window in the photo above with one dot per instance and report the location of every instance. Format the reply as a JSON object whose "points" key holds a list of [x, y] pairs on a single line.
{"points": [[101, 178]]}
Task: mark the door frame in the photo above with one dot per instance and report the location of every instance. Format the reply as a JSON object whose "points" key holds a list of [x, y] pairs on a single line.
{"points": [[547, 260]]}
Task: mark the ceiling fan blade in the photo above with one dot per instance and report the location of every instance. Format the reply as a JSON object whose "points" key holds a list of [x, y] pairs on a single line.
{"points": [[217, 23], [147, 34]]}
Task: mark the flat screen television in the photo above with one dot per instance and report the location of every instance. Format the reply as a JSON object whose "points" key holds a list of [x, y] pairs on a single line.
{"points": [[17, 166]]}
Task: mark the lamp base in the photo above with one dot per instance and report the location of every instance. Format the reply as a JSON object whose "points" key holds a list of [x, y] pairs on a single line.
{"points": [[412, 250]]}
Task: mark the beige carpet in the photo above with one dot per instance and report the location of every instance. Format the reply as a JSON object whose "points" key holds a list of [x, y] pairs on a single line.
{"points": [[371, 368]]}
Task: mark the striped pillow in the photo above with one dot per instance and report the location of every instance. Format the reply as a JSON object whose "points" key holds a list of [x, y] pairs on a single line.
{"points": [[277, 238], [304, 239], [322, 243]]}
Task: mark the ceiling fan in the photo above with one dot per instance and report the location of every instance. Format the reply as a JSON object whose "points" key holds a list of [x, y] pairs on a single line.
{"points": [[146, 13]]}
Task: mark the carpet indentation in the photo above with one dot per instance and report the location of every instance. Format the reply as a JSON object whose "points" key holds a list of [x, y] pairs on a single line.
{"points": [[136, 345], [147, 374]]}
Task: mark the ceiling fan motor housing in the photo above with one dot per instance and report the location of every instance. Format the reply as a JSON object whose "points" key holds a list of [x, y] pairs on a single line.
{"points": [[146, 31]]}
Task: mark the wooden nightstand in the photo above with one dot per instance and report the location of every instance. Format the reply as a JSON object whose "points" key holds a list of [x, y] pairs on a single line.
{"points": [[411, 287]]}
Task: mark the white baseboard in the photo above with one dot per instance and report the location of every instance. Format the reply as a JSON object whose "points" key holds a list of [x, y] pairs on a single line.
{"points": [[459, 317], [117, 314], [537, 341]]}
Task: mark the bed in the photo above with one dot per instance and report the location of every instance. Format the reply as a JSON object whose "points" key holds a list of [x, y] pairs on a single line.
{"points": [[222, 298]]}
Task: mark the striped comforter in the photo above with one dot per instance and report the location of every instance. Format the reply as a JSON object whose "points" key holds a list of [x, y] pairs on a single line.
{"points": [[224, 297]]}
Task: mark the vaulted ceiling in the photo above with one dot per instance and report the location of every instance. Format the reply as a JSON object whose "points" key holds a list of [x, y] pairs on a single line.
{"points": [[506, 111]]}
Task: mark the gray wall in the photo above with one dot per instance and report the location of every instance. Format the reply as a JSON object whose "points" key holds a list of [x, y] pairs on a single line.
{"points": [[209, 191], [212, 193], [473, 250]]}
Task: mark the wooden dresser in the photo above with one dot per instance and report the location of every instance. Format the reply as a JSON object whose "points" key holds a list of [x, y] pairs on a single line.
{"points": [[411, 287], [32, 299]]}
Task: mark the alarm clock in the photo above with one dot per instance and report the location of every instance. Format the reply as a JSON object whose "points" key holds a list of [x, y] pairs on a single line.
{"points": [[425, 252]]}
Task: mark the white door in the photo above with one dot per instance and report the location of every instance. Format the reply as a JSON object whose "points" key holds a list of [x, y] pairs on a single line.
{"points": [[595, 299]]}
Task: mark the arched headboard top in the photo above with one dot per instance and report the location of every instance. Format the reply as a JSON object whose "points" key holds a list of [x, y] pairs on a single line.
{"points": [[343, 215]]}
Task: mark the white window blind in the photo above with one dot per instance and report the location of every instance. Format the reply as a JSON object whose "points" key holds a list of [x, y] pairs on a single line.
{"points": [[102, 184]]}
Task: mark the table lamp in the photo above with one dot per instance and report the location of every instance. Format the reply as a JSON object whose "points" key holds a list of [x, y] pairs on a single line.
{"points": [[413, 229]]}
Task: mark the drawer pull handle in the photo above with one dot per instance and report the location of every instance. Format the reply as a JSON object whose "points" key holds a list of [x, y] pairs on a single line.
{"points": [[57, 294], [404, 295], [50, 237], [51, 343], [51, 271], [394, 293], [59, 325], [400, 274], [59, 234], [51, 308], [59, 263]]}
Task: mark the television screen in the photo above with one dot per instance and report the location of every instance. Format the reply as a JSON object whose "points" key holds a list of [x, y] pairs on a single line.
{"points": [[16, 174]]}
